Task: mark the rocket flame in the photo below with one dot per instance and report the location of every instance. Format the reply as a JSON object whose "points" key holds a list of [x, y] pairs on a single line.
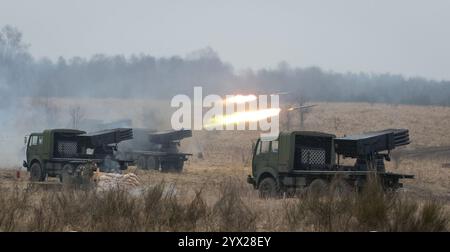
{"points": [[242, 117], [241, 99]]}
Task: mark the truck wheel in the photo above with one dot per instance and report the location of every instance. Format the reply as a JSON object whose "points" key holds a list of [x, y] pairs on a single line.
{"points": [[268, 188], [84, 173], [172, 166], [179, 166], [341, 187], [166, 166], [36, 172], [66, 173], [142, 163], [152, 163], [318, 187]]}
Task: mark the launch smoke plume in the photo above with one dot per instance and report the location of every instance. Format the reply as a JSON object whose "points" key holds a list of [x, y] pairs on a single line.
{"points": [[40, 93]]}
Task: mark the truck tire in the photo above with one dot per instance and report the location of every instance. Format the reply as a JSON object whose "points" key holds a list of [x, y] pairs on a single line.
{"points": [[167, 166], [142, 163], [175, 166], [66, 173], [152, 163], [83, 173], [179, 167], [340, 187], [318, 187], [109, 165], [268, 188], [36, 172]]}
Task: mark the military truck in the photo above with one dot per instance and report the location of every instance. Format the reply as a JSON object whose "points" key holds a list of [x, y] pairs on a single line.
{"points": [[149, 149], [311, 160], [155, 150], [69, 152]]}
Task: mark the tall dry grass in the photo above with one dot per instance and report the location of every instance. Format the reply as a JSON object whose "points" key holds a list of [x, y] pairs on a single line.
{"points": [[161, 208], [372, 209], [156, 208]]}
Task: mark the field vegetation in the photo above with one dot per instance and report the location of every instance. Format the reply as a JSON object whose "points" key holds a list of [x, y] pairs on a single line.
{"points": [[211, 193]]}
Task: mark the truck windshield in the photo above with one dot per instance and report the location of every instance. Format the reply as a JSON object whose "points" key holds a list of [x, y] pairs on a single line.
{"points": [[33, 140], [265, 146], [275, 146]]}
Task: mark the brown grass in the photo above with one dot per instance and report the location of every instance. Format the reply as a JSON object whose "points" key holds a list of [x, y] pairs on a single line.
{"points": [[161, 208], [373, 209], [156, 208], [189, 201]]}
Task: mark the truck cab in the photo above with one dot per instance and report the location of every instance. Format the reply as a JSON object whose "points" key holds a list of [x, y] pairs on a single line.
{"points": [[35, 147]]}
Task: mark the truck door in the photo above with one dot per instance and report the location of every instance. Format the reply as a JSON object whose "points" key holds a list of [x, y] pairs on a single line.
{"points": [[272, 155], [258, 159], [34, 147], [266, 154]]}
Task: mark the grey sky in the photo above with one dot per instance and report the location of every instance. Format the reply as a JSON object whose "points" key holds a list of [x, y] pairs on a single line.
{"points": [[407, 37]]}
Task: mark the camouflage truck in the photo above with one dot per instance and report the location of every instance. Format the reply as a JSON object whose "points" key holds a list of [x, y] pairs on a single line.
{"points": [[68, 152], [155, 150], [311, 160]]}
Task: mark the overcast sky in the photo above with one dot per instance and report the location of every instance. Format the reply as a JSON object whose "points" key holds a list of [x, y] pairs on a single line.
{"points": [[409, 37]]}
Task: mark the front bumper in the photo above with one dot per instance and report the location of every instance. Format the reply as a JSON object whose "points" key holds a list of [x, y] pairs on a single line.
{"points": [[251, 180]]}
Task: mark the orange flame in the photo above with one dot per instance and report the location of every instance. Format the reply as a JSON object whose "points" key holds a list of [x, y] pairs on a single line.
{"points": [[241, 99], [242, 117]]}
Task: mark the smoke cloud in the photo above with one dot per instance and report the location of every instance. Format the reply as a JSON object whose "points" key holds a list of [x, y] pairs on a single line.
{"points": [[40, 93]]}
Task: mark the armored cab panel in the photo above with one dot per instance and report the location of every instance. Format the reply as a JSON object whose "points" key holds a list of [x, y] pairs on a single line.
{"points": [[312, 150], [66, 142]]}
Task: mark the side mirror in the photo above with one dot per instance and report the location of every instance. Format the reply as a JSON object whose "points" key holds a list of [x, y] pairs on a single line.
{"points": [[25, 140]]}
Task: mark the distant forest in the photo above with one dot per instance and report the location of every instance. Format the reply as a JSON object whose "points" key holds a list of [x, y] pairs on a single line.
{"points": [[145, 76]]}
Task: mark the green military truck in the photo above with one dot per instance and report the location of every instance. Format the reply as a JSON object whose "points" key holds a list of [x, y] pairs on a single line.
{"points": [[60, 152], [155, 150], [311, 160]]}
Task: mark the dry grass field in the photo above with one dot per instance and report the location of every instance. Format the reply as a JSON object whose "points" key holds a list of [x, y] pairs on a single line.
{"points": [[211, 193]]}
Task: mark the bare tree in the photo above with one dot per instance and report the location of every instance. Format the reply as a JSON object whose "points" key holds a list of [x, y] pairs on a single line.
{"points": [[77, 116], [11, 44], [301, 100], [51, 111]]}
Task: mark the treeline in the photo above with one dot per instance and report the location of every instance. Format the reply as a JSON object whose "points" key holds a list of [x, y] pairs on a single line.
{"points": [[145, 76]]}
